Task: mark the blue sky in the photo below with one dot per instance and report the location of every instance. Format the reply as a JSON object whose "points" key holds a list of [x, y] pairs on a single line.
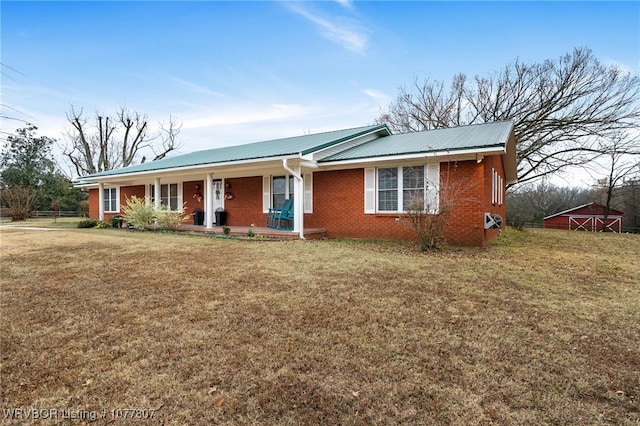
{"points": [[235, 72]]}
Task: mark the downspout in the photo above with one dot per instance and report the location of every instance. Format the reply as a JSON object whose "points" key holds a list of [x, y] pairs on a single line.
{"points": [[298, 206]]}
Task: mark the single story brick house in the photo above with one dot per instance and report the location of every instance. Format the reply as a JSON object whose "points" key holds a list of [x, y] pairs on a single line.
{"points": [[587, 217], [354, 183]]}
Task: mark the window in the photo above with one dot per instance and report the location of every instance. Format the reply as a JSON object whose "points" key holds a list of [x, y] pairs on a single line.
{"points": [[111, 199], [169, 195], [394, 192], [282, 189], [396, 189], [412, 187], [388, 189], [496, 188], [275, 191]]}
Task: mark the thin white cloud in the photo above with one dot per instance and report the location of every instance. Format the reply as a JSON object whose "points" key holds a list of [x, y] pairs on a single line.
{"points": [[247, 114], [345, 3], [350, 35], [196, 88], [379, 97]]}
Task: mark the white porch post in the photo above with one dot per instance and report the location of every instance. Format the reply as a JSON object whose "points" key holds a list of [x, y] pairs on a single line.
{"points": [[298, 203], [208, 201], [298, 198], [101, 201], [156, 193]]}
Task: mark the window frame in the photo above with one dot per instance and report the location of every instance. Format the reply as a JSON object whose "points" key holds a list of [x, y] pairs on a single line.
{"points": [[168, 198], [430, 188], [288, 190], [399, 190], [111, 200], [307, 195]]}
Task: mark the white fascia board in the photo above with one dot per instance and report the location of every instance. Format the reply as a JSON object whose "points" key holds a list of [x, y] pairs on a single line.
{"points": [[177, 170], [466, 154]]}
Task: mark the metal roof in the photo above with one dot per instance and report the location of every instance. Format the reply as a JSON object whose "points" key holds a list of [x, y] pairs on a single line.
{"points": [[485, 137], [612, 212], [298, 145], [476, 136]]}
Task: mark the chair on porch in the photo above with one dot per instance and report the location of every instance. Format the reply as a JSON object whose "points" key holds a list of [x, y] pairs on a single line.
{"points": [[274, 215], [285, 220]]}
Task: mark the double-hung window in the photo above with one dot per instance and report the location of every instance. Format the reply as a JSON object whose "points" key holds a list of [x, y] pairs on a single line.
{"points": [[111, 199], [402, 189], [412, 188], [282, 188], [276, 189], [169, 195]]}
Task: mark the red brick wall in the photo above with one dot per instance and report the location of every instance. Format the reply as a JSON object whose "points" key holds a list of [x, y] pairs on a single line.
{"points": [[125, 192], [462, 185], [246, 206], [338, 203], [188, 192], [494, 162], [94, 211], [338, 206]]}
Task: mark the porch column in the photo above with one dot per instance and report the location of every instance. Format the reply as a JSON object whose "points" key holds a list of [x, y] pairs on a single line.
{"points": [[101, 201], [298, 203], [298, 197], [156, 193], [208, 201]]}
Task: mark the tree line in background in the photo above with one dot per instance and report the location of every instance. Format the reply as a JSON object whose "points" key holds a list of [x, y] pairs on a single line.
{"points": [[529, 204], [571, 112], [30, 179]]}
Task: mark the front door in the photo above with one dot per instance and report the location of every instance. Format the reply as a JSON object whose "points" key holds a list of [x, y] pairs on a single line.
{"points": [[218, 197]]}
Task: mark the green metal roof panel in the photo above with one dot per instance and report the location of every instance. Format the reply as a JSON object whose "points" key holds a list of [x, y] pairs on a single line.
{"points": [[267, 149], [475, 136]]}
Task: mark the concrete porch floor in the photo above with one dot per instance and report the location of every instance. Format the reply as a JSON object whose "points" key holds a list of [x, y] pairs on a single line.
{"points": [[259, 231]]}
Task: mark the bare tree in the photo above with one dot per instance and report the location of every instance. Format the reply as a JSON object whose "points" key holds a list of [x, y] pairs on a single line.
{"points": [[114, 143], [19, 201], [621, 152], [560, 108], [531, 202]]}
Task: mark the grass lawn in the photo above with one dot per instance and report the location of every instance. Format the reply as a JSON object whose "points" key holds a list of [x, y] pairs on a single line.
{"points": [[542, 327], [45, 222]]}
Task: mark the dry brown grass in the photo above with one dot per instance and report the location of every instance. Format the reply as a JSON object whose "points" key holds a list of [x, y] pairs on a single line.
{"points": [[540, 328]]}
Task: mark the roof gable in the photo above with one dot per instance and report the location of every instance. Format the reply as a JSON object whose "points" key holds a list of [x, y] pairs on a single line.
{"points": [[451, 139], [590, 209]]}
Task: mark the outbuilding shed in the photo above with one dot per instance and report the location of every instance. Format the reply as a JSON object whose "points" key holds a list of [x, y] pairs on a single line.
{"points": [[588, 217]]}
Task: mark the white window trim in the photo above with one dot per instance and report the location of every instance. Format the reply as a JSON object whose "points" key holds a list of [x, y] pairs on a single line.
{"points": [[267, 191], [431, 189], [149, 192], [117, 190]]}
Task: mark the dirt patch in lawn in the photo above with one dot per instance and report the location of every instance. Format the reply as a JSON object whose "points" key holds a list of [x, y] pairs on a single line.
{"points": [[539, 328]]}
